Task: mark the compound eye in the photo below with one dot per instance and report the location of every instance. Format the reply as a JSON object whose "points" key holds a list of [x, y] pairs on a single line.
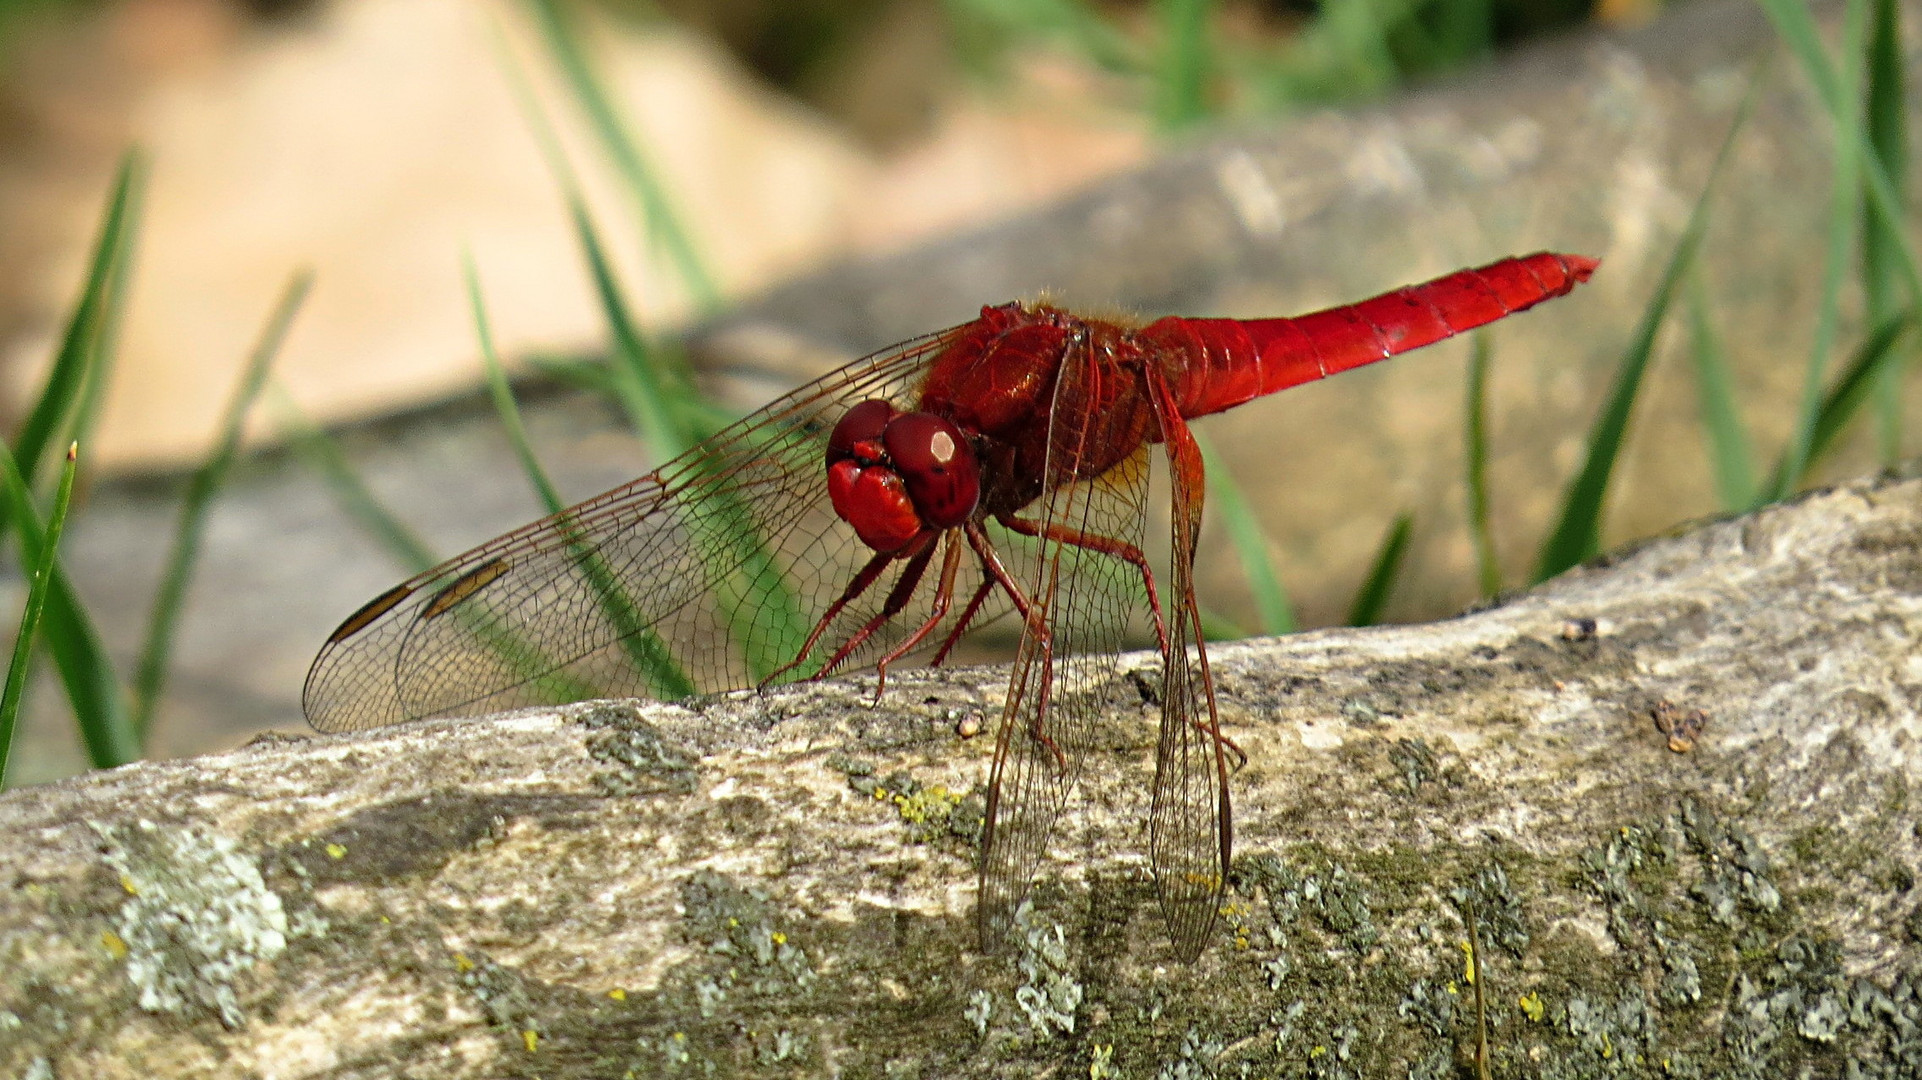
{"points": [[938, 464], [863, 423]]}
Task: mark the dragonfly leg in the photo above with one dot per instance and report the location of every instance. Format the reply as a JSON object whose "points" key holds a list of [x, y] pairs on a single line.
{"points": [[997, 573], [1037, 629], [967, 616], [858, 585], [897, 600], [943, 596], [1107, 545], [1200, 725]]}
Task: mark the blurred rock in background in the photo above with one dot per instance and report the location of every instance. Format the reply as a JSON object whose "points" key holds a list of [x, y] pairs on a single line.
{"points": [[374, 140]]}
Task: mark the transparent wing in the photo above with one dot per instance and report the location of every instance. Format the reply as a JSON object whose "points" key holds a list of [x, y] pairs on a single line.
{"points": [[1066, 670], [1189, 836], [705, 575]]}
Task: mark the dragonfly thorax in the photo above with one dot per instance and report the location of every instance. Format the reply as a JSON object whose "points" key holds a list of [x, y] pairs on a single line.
{"points": [[894, 475]]}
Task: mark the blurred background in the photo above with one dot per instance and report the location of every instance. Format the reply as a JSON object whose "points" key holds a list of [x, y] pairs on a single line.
{"points": [[779, 187], [373, 140]]}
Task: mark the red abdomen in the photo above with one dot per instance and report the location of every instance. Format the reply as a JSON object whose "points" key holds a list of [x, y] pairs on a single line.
{"points": [[1225, 362]]}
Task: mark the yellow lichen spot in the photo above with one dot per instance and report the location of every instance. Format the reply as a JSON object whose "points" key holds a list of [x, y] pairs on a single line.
{"points": [[778, 937], [1317, 1051], [1241, 938], [1532, 1007], [532, 1038], [1468, 957], [679, 1036], [1452, 988], [127, 884], [116, 947], [928, 806], [462, 964], [336, 852], [617, 994], [385, 921], [732, 922], [1608, 1046]]}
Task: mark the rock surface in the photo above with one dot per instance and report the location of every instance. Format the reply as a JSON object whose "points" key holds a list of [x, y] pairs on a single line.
{"points": [[780, 884]]}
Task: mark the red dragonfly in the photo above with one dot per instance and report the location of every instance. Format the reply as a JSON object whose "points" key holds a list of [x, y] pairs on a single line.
{"points": [[998, 466]]}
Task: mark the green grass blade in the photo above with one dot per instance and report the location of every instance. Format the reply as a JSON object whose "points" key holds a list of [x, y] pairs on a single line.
{"points": [[658, 398], [37, 588], [1372, 597], [1358, 35], [643, 379], [1883, 348], [1578, 532], [694, 413], [643, 646], [1732, 457], [1843, 197], [86, 672], [663, 225], [1358, 48], [1887, 118], [79, 365], [762, 607], [1467, 33], [638, 381], [1070, 22], [587, 374], [1217, 627], [151, 674], [318, 450], [1276, 614], [1487, 566], [1182, 90], [1794, 22], [505, 406]]}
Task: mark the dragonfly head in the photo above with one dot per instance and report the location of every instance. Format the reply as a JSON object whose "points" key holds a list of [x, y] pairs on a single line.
{"points": [[893, 475]]}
